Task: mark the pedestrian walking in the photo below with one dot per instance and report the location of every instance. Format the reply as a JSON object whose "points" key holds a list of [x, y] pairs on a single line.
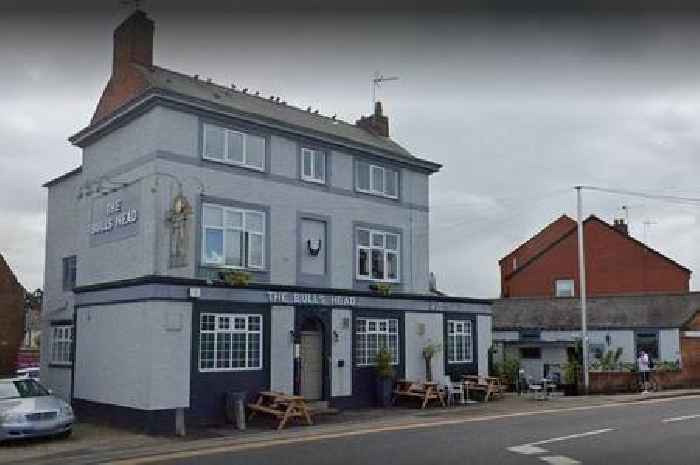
{"points": [[643, 364]]}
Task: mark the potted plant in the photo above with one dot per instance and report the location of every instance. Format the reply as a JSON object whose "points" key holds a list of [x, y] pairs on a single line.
{"points": [[236, 278], [572, 370], [381, 288], [385, 377], [508, 371], [429, 352]]}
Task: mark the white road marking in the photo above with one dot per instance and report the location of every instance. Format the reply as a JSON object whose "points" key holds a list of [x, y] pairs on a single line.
{"points": [[559, 460], [683, 418], [573, 436], [527, 449]]}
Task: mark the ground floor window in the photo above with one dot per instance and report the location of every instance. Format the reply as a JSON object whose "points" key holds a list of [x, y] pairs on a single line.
{"points": [[649, 343], [373, 334], [459, 341], [230, 342], [530, 352], [62, 344]]}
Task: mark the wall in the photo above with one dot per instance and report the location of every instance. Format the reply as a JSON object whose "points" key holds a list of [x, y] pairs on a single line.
{"points": [[134, 355], [614, 265], [282, 349], [11, 318], [341, 377], [432, 329]]}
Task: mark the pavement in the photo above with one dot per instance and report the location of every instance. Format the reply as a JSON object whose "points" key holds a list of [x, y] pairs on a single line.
{"points": [[482, 432]]}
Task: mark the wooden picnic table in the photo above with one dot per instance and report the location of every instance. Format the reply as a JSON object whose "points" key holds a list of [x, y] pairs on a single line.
{"points": [[282, 406], [423, 391], [489, 385]]}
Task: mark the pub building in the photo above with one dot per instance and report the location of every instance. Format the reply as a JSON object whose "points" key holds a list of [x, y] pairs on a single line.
{"points": [[217, 240]]}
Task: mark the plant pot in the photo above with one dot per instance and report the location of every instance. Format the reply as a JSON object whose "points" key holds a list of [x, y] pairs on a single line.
{"points": [[384, 388]]}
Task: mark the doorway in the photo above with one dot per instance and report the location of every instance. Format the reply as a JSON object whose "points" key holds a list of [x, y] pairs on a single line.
{"points": [[311, 354]]}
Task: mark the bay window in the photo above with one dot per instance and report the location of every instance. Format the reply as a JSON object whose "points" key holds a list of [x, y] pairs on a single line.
{"points": [[378, 255], [230, 342], [233, 237], [377, 180], [371, 335], [235, 147], [459, 341]]}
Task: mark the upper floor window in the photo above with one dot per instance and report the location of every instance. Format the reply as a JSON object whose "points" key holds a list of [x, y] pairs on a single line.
{"points": [[69, 272], [235, 147], [377, 180], [313, 165], [233, 237], [564, 288], [378, 255]]}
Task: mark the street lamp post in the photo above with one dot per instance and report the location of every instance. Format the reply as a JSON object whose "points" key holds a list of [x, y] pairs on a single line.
{"points": [[582, 287]]}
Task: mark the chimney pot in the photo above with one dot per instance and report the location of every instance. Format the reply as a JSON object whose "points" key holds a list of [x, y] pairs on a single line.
{"points": [[620, 225]]}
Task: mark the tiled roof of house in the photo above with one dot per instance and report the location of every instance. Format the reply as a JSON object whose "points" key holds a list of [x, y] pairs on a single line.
{"points": [[623, 311]]}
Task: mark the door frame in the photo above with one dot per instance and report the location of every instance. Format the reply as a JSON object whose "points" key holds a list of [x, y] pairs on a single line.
{"points": [[322, 317]]}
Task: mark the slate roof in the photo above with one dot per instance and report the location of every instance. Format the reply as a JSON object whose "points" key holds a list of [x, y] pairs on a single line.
{"points": [[247, 103], [625, 311]]}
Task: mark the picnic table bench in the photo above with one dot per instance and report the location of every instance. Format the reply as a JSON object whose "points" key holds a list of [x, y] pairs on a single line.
{"points": [[422, 391], [489, 385], [282, 406]]}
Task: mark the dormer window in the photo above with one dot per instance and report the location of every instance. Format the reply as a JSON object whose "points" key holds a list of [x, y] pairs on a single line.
{"points": [[234, 147], [377, 180]]}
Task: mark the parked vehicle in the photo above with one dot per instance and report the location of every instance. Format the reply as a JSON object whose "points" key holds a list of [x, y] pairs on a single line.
{"points": [[28, 409], [30, 372]]}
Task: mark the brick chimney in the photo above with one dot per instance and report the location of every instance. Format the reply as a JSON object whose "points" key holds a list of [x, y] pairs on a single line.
{"points": [[133, 43], [620, 225], [377, 123]]}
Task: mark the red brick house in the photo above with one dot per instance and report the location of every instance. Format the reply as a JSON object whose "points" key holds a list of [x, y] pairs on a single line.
{"points": [[11, 318], [616, 263]]}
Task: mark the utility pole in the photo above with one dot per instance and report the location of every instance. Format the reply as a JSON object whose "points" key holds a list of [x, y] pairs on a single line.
{"points": [[582, 286]]}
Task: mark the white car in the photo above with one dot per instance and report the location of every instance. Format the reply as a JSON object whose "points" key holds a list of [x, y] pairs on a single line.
{"points": [[27, 409]]}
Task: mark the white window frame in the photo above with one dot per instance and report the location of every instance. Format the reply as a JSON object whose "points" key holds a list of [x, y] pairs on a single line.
{"points": [[223, 228], [372, 189], [62, 345], [362, 355], [385, 253], [461, 329], [557, 289], [231, 330], [224, 159], [313, 177]]}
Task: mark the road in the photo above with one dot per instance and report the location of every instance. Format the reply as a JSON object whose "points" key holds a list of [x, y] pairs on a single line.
{"points": [[655, 432]]}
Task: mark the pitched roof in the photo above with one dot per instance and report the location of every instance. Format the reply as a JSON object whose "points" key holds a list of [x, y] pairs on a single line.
{"points": [[573, 230], [60, 178], [622, 311], [170, 83], [543, 239]]}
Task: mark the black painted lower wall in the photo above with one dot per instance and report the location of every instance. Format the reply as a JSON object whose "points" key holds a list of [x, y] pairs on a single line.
{"points": [[147, 421]]}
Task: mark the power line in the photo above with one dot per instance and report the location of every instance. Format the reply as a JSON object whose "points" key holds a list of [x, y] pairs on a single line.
{"points": [[646, 195]]}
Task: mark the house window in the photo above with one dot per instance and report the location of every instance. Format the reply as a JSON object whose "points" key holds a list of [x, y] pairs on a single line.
{"points": [[564, 287], [378, 255], [313, 165], [530, 352], [69, 272], [230, 342], [649, 343], [459, 341], [61, 344], [374, 334], [234, 147], [377, 180], [233, 237]]}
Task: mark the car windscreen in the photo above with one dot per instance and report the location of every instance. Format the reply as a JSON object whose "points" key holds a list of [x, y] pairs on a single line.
{"points": [[21, 388]]}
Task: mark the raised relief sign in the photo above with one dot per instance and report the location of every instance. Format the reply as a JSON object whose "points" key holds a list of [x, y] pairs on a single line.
{"points": [[116, 216], [301, 298]]}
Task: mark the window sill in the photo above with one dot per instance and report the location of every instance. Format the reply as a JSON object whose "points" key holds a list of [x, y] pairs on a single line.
{"points": [[233, 163], [377, 194], [227, 370], [465, 362], [320, 182]]}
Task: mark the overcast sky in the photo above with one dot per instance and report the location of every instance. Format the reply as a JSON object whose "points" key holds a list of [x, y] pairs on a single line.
{"points": [[518, 108]]}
